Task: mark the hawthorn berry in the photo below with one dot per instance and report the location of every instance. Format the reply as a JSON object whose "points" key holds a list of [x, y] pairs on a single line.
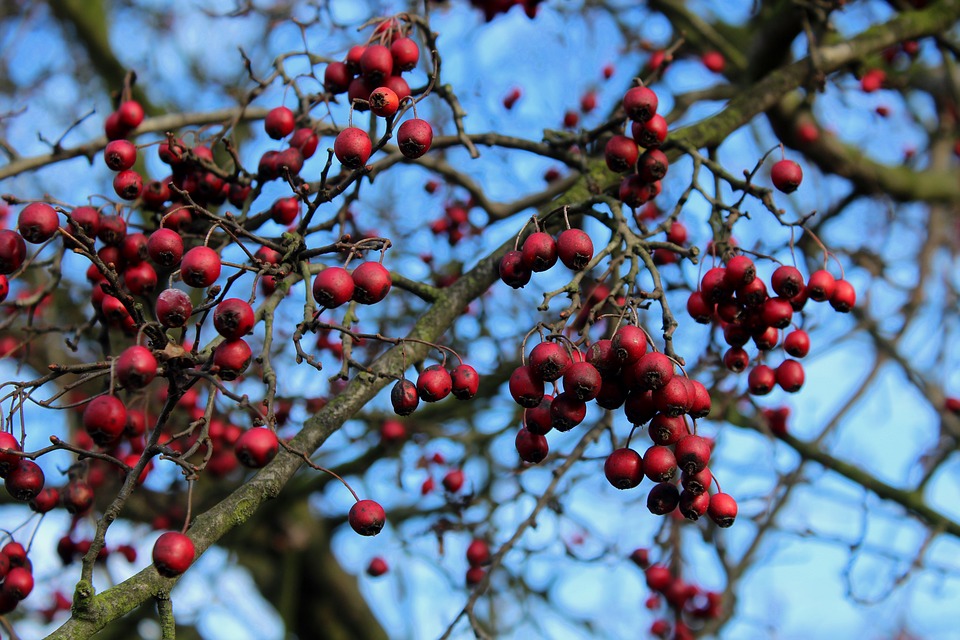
{"points": [[844, 296], [566, 411], [105, 418], [549, 361], [352, 147], [640, 103], [333, 287], [367, 517], [371, 282], [629, 344], [414, 138], [722, 509], [279, 122], [256, 447], [786, 175], [404, 397], [513, 272], [434, 383], [624, 468], [405, 53], [465, 380], [620, 154], [575, 249], [136, 367], [761, 379], [200, 267], [37, 222], [173, 308], [820, 286], [13, 251], [787, 281], [232, 357], [582, 380], [233, 318], [173, 553], [532, 447], [663, 498], [526, 387], [797, 343], [789, 375], [384, 102], [539, 252], [120, 155], [24, 481]]}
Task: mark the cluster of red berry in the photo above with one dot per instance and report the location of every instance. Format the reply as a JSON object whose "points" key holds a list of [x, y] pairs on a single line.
{"points": [[540, 251], [16, 573], [736, 299], [620, 372], [622, 153], [688, 604]]}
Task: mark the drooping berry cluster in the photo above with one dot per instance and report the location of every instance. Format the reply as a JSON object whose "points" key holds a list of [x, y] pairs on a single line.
{"points": [[620, 372], [686, 603], [622, 154], [737, 300]]}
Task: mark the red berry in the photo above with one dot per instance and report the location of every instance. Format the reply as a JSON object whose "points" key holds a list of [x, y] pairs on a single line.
{"points": [[539, 252], [466, 382], [640, 103], [844, 296], [404, 397], [692, 453], [532, 447], [285, 210], [787, 281], [692, 506], [821, 285], [405, 53], [629, 344], [639, 407], [173, 308], [549, 361], [376, 63], [699, 309], [566, 412], [37, 222], [200, 267], [651, 133], [377, 567], [537, 419], [797, 343], [371, 282], [696, 483], [13, 251], [136, 367], [128, 184], [130, 114], [667, 430], [233, 318], [77, 497], [761, 380], [232, 357], [352, 147], [714, 61], [575, 249], [653, 371], [105, 418], [18, 584], [336, 78], [621, 154], [663, 498], [434, 383], [384, 102], [279, 122], [582, 380], [120, 155], [414, 138], [256, 447], [624, 468], [24, 481], [305, 140], [790, 375], [367, 517], [513, 272], [453, 480], [776, 312], [652, 165], [525, 387], [740, 271], [786, 175], [722, 509], [173, 554], [333, 287], [672, 399]]}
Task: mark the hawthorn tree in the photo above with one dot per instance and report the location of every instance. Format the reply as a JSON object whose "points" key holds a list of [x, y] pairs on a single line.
{"points": [[598, 315]]}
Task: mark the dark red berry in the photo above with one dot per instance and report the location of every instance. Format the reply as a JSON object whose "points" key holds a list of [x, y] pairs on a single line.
{"points": [[650, 134], [404, 397], [405, 53], [663, 498], [667, 430], [120, 155], [466, 382], [761, 380], [525, 387], [376, 62], [699, 309], [624, 468], [740, 271], [37, 222], [787, 281], [532, 447], [13, 251], [797, 343], [653, 371], [566, 412], [692, 506], [173, 308], [232, 357], [513, 272], [620, 154], [692, 453], [790, 376], [537, 419], [575, 249], [582, 380], [640, 103], [629, 344], [105, 418], [24, 481], [539, 252]]}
